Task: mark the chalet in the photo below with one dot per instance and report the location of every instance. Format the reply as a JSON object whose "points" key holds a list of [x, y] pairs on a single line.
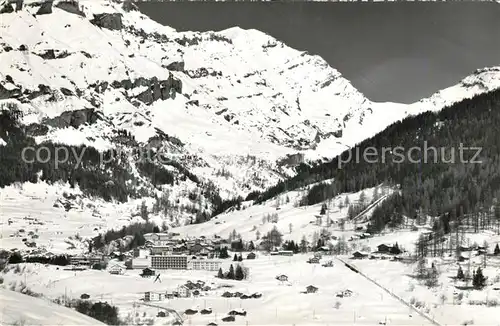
{"points": [[227, 295], [206, 311], [154, 296], [161, 314], [274, 253], [116, 269], [190, 312], [147, 272], [345, 293], [153, 237], [179, 249], [481, 251], [79, 260], [212, 324], [282, 278], [245, 296], [251, 255], [161, 250], [256, 295], [184, 291], [383, 248], [313, 260], [328, 264], [324, 249], [177, 323], [359, 255], [196, 248], [84, 296], [228, 318], [237, 312], [221, 243], [311, 289], [285, 253]]}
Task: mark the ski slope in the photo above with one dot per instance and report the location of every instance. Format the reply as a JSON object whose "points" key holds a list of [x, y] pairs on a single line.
{"points": [[21, 309]]}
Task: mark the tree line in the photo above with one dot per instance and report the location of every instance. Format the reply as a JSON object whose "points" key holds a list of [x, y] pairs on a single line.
{"points": [[437, 187]]}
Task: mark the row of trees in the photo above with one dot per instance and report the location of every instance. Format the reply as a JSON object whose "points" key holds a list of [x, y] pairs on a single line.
{"points": [[136, 230], [478, 278], [101, 311], [233, 274], [17, 258]]}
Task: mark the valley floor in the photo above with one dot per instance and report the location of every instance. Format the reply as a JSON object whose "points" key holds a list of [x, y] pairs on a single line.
{"points": [[282, 303]]}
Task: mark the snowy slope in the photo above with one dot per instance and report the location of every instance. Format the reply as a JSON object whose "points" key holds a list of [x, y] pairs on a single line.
{"points": [[41, 311]]}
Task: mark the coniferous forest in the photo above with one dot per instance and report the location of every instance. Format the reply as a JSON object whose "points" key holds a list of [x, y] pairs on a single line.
{"points": [[444, 185]]}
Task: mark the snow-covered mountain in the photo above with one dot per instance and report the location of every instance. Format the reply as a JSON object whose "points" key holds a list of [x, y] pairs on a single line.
{"points": [[228, 106]]}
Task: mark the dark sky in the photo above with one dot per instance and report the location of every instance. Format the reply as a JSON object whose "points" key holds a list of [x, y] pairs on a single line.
{"points": [[397, 52]]}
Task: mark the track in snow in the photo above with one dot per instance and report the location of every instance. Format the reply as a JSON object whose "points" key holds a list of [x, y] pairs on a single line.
{"points": [[356, 270]]}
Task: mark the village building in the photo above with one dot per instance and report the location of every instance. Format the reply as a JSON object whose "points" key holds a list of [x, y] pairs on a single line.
{"points": [[169, 262], [154, 296], [285, 253], [282, 278], [251, 255], [311, 289], [154, 237], [359, 255], [161, 250], [383, 248], [147, 272], [141, 263], [184, 291], [116, 269], [205, 264]]}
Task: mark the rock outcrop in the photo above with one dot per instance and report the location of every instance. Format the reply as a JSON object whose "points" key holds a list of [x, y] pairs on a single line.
{"points": [[156, 89], [176, 66], [112, 21], [160, 89], [71, 7], [74, 118], [45, 8]]}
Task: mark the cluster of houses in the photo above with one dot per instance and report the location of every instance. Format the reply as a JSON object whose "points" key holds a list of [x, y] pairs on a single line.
{"points": [[468, 251], [88, 260], [240, 295], [169, 251], [383, 251], [183, 291]]}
